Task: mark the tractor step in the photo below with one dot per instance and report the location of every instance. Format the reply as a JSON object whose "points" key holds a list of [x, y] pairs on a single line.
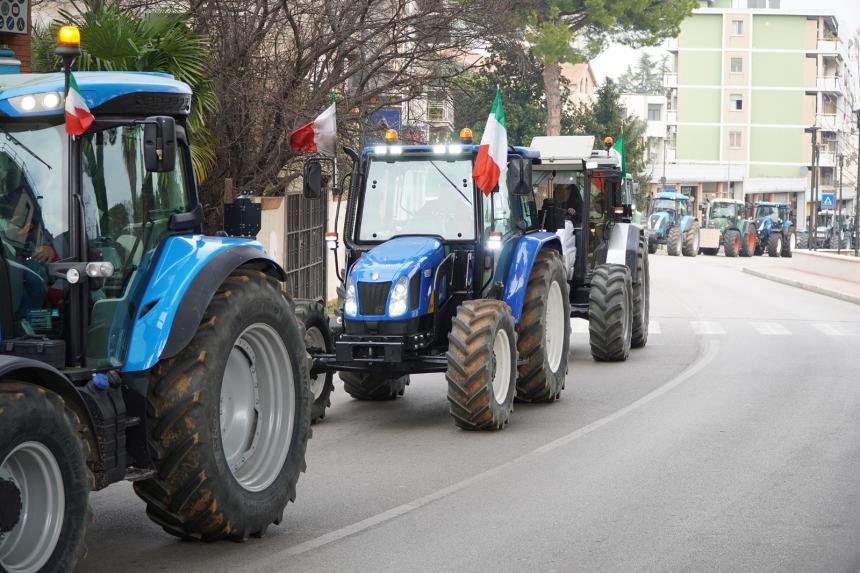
{"points": [[137, 474], [132, 421]]}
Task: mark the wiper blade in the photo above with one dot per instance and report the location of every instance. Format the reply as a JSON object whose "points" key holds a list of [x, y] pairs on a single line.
{"points": [[14, 139], [454, 185]]}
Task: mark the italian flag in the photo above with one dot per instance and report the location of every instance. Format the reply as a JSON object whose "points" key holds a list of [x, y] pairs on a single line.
{"points": [[492, 158], [78, 116], [318, 136]]}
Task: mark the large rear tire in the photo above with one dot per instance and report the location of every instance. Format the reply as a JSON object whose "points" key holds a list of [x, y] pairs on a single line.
{"points": [[373, 387], [732, 243], [229, 417], [482, 365], [789, 245], [673, 242], [749, 244], [641, 299], [691, 241], [317, 341], [610, 313], [774, 244], [543, 335], [802, 240], [44, 481]]}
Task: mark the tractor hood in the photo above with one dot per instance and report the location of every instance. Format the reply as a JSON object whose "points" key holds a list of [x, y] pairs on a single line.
{"points": [[376, 273], [658, 220]]}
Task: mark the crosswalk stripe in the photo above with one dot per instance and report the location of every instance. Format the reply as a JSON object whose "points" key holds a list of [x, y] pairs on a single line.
{"points": [[832, 329], [706, 327], [771, 328], [654, 327]]}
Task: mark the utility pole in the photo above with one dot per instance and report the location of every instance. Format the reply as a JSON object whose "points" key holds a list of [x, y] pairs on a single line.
{"points": [[857, 186], [838, 218], [813, 186]]}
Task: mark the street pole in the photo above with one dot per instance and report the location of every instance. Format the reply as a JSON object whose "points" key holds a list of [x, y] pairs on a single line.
{"points": [[839, 207], [812, 186], [857, 188]]}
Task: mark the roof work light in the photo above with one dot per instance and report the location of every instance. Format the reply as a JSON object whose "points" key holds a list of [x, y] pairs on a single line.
{"points": [[391, 136], [466, 135], [68, 42]]}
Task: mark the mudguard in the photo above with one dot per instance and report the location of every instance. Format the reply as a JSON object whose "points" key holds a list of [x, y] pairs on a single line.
{"points": [[524, 255], [623, 246], [747, 227], [686, 221], [188, 272], [787, 227]]}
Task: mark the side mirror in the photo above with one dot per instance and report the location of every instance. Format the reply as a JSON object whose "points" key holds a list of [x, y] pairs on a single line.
{"points": [[312, 187], [518, 180], [159, 144]]}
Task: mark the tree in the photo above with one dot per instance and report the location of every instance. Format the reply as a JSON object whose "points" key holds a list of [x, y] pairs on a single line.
{"points": [[573, 31], [645, 78]]}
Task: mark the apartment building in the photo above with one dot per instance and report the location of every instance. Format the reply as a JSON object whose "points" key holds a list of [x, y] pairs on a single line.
{"points": [[652, 109], [749, 80]]}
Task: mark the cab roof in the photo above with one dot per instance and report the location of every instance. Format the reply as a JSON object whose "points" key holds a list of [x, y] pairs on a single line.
{"points": [[97, 89], [673, 195], [771, 204], [469, 149], [727, 200]]}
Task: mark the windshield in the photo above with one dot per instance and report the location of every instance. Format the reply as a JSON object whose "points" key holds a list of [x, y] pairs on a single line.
{"points": [[33, 227], [767, 212], [418, 197], [723, 210], [664, 205]]}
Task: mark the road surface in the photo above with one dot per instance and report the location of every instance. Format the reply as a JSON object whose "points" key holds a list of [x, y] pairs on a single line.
{"points": [[730, 443]]}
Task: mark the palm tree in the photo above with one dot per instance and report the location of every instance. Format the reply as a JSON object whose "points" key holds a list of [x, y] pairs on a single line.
{"points": [[116, 40]]}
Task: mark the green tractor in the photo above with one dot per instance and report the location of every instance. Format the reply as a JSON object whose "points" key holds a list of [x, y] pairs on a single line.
{"points": [[727, 225]]}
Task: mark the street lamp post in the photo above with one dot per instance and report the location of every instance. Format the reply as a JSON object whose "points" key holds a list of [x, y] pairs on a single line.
{"points": [[839, 208], [857, 192], [813, 186]]}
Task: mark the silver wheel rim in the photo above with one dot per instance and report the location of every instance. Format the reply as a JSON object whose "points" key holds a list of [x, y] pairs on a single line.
{"points": [[793, 241], [314, 339], [257, 407], [695, 241], [502, 360], [555, 320], [36, 474]]}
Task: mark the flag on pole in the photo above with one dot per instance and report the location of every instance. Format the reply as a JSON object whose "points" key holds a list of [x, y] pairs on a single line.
{"points": [[492, 160], [318, 136], [619, 149], [78, 116]]}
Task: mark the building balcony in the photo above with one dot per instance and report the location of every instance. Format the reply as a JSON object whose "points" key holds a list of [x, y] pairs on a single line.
{"points": [[831, 84], [829, 47], [826, 159], [670, 80], [671, 44], [828, 121], [671, 117], [440, 113]]}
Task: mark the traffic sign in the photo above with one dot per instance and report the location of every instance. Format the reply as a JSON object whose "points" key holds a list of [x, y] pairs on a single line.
{"points": [[827, 200]]}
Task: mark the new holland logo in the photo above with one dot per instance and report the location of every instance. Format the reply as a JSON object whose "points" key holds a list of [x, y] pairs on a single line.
{"points": [[374, 276]]}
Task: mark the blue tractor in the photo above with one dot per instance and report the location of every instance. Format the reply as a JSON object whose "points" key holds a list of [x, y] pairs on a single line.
{"points": [[671, 222], [775, 229], [132, 347], [440, 277]]}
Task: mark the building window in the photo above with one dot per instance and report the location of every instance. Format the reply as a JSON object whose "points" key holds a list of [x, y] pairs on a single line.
{"points": [[737, 27], [736, 102], [735, 139], [773, 4], [655, 112], [737, 65], [757, 4]]}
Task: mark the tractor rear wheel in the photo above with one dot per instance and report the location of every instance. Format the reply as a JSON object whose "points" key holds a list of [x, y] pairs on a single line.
{"points": [[774, 244], [317, 341], [543, 335], [691, 241], [641, 299], [673, 242], [749, 244], [482, 365], [44, 481], [802, 240], [230, 417], [373, 387], [610, 313], [788, 245], [732, 243]]}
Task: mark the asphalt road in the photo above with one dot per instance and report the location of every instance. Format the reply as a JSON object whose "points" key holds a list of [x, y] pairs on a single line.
{"points": [[730, 443]]}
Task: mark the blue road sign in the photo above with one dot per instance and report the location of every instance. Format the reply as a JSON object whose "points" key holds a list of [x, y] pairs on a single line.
{"points": [[827, 201]]}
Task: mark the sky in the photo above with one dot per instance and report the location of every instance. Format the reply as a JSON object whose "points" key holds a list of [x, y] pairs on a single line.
{"points": [[614, 60]]}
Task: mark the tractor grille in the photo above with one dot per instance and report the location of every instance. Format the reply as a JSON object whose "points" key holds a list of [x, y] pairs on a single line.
{"points": [[372, 298]]}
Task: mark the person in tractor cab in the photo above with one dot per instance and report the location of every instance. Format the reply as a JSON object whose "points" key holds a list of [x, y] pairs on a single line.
{"points": [[568, 197]]}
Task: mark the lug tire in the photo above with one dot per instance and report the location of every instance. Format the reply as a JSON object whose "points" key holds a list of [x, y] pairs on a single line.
{"points": [[373, 387], [774, 245], [538, 380], [787, 247], [673, 242], [473, 370], [690, 248], [38, 427], [195, 494], [749, 245], [731, 243], [610, 313], [641, 300], [802, 240], [652, 245], [311, 315]]}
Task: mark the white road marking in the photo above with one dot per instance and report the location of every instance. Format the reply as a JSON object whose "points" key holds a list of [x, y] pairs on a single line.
{"points": [[274, 561], [654, 327], [770, 328], [832, 329], [706, 327]]}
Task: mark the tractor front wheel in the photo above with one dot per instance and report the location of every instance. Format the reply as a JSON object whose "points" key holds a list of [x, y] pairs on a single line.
{"points": [[641, 299], [543, 335], [774, 244], [230, 417], [673, 242], [317, 341], [610, 313], [690, 247], [732, 243], [44, 481], [652, 244], [749, 245], [482, 365], [373, 387], [789, 245], [802, 240]]}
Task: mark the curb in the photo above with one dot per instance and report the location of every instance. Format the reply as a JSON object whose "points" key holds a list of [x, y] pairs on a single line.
{"points": [[805, 286]]}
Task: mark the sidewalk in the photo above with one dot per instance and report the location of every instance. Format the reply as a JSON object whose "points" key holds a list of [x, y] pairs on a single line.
{"points": [[848, 291]]}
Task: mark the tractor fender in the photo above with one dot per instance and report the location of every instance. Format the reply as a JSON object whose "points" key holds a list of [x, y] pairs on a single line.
{"points": [[747, 227], [524, 256], [188, 272], [623, 246], [787, 227], [686, 221]]}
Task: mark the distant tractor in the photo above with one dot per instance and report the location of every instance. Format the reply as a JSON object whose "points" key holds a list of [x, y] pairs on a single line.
{"points": [[727, 225], [671, 223], [775, 229], [831, 231]]}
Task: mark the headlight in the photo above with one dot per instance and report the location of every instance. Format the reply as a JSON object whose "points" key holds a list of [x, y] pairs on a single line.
{"points": [[350, 307], [48, 101], [398, 301]]}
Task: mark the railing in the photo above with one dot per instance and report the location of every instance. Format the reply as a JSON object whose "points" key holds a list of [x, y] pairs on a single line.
{"points": [[826, 121], [440, 112], [671, 44], [671, 116], [829, 84], [828, 46], [826, 159], [670, 80]]}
